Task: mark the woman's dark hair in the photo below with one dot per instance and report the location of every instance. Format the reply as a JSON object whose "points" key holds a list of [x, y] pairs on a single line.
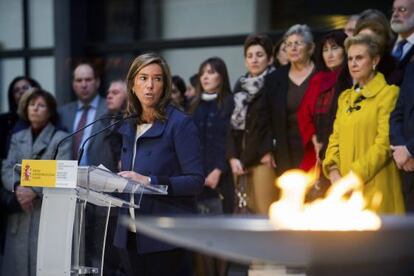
{"points": [[50, 102], [376, 21], [276, 49], [194, 80], [12, 104], [377, 28], [219, 66], [179, 84], [336, 36], [134, 106], [261, 40]]}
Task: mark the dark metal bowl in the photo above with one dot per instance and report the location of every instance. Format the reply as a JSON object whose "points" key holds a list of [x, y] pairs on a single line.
{"points": [[254, 240]]}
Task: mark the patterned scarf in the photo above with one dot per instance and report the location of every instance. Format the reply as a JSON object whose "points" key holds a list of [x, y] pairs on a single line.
{"points": [[250, 86]]}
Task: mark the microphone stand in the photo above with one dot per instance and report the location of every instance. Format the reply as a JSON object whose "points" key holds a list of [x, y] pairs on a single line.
{"points": [[82, 128], [82, 148]]}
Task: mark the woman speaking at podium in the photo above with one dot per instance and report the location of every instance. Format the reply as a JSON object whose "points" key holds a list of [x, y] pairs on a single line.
{"points": [[35, 142], [161, 146]]}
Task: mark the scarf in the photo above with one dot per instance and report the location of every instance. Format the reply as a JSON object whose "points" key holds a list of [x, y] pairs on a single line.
{"points": [[208, 96], [250, 87]]}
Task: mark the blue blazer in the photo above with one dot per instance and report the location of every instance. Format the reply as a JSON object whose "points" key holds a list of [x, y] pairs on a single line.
{"points": [[402, 118], [169, 153]]}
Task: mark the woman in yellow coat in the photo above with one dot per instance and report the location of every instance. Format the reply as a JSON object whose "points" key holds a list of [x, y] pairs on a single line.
{"points": [[360, 139]]}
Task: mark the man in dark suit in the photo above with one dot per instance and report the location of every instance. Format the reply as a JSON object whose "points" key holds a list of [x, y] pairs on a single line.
{"points": [[402, 136], [402, 22], [88, 107]]}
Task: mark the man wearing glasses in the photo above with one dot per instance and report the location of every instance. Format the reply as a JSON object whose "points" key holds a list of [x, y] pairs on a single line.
{"points": [[402, 22]]}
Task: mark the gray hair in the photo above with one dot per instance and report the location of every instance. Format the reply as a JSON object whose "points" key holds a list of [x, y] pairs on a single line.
{"points": [[302, 30]]}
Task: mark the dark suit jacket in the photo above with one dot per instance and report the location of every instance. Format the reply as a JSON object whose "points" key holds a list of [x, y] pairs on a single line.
{"points": [[402, 118], [169, 152], [409, 57], [402, 131], [99, 149]]}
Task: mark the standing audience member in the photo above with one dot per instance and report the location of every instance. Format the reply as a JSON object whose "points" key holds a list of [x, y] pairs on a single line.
{"points": [[88, 107], [160, 147], [190, 92], [402, 136], [279, 54], [285, 94], [8, 202], [360, 139], [211, 114], [74, 115], [402, 22], [116, 97], [349, 27], [178, 93], [249, 147], [38, 141], [313, 111], [378, 25]]}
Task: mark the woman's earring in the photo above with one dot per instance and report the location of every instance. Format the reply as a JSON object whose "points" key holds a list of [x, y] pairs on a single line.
{"points": [[374, 67]]}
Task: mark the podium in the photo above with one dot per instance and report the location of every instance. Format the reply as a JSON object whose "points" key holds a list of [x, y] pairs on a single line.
{"points": [[61, 228]]}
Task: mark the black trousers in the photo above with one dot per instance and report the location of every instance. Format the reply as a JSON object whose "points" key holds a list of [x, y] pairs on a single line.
{"points": [[408, 190]]}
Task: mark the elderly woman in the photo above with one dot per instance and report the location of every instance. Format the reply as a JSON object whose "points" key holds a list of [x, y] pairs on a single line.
{"points": [[313, 111], [360, 139], [161, 146], [39, 141], [249, 145], [286, 93]]}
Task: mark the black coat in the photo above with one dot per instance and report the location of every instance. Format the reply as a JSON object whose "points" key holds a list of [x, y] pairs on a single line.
{"points": [[255, 140], [213, 122], [276, 106], [402, 130]]}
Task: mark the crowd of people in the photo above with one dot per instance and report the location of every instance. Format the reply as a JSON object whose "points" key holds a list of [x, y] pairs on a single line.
{"points": [[341, 104]]}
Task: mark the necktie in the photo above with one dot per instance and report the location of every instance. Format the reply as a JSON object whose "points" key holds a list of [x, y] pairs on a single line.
{"points": [[398, 53], [78, 136]]}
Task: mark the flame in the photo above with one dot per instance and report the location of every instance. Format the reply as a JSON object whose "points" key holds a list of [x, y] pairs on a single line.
{"points": [[342, 209]]}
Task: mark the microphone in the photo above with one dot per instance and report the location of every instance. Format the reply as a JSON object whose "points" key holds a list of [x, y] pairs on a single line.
{"points": [[82, 147], [104, 117]]}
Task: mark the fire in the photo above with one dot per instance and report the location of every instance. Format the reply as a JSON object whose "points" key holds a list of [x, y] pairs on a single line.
{"points": [[342, 209]]}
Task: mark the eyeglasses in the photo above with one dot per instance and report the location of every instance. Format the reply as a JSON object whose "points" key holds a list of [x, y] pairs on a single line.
{"points": [[40, 106], [296, 44], [399, 10], [21, 88]]}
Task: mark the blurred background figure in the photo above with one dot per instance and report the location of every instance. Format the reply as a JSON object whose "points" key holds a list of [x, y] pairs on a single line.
{"points": [[116, 96], [9, 125], [350, 24], [402, 136], [360, 139], [190, 92], [211, 113], [286, 93], [316, 103], [402, 23], [280, 57], [38, 141], [250, 145], [178, 91], [374, 22]]}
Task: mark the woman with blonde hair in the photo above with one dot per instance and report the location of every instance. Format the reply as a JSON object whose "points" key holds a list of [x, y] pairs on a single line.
{"points": [[360, 139]]}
